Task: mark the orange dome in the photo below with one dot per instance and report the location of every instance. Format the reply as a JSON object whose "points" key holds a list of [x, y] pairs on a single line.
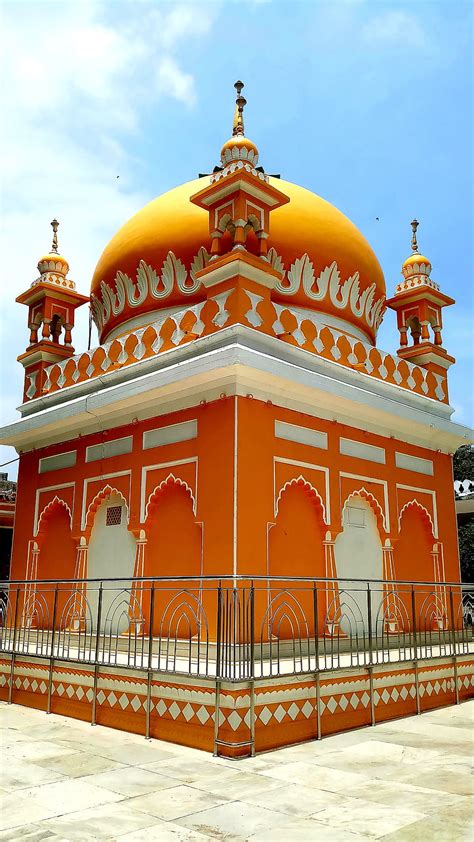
{"points": [[149, 264]]}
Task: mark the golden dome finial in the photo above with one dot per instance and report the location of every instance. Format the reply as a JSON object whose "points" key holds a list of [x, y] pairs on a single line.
{"points": [[55, 226], [240, 103], [414, 241]]}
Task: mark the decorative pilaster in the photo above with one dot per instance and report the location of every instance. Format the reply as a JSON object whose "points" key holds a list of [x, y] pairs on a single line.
{"points": [[333, 607], [391, 616]]}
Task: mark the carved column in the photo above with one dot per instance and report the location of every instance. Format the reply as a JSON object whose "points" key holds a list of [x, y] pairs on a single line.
{"points": [[390, 613], [441, 617], [333, 607], [30, 588], [136, 596], [79, 603]]}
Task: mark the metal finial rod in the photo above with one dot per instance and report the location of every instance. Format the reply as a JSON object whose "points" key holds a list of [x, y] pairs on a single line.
{"points": [[414, 241], [240, 103], [55, 226]]}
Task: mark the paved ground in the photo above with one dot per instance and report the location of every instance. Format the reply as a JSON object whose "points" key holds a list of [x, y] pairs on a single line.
{"points": [[405, 780]]}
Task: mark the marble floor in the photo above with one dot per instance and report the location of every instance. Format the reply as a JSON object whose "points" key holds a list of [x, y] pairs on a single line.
{"points": [[400, 781]]}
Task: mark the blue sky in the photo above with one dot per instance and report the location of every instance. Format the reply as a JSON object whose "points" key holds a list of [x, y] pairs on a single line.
{"points": [[367, 103]]}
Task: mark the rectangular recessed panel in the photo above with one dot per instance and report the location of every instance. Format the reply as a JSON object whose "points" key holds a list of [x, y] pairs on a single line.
{"points": [[117, 447], [301, 435], [113, 516], [351, 447], [55, 463], [414, 463], [169, 435]]}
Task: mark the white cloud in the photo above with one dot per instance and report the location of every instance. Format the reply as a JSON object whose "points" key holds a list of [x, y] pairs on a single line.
{"points": [[173, 81], [74, 95]]}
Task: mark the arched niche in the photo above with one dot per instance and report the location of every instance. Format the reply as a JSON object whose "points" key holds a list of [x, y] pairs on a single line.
{"points": [[413, 560], [296, 548], [358, 554], [56, 561], [173, 548], [111, 557]]}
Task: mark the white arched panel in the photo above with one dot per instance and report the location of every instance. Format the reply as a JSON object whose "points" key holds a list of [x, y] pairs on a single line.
{"points": [[358, 551], [112, 551]]}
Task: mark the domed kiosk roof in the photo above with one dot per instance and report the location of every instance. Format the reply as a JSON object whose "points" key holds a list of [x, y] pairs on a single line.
{"points": [[149, 264]]}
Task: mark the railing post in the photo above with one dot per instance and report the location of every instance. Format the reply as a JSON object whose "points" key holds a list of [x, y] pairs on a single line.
{"points": [[370, 667], [453, 634], [96, 659], [316, 662], [51, 657], [252, 669], [150, 659], [218, 668], [12, 666], [415, 649]]}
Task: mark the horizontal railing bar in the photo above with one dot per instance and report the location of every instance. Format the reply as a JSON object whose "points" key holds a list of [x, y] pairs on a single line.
{"points": [[237, 578]]}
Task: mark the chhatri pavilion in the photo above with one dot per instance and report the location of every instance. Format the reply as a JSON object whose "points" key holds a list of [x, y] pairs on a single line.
{"points": [[237, 418]]}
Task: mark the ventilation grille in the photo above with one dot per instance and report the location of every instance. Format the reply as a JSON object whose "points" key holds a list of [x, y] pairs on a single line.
{"points": [[114, 516]]}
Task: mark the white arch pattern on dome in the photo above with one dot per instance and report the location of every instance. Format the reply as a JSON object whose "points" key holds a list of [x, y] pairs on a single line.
{"points": [[148, 283], [328, 284]]}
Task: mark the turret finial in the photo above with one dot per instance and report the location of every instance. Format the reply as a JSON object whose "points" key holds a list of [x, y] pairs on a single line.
{"points": [[414, 241], [240, 103], [55, 226]]}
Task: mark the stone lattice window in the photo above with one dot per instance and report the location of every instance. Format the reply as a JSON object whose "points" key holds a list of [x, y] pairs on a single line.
{"points": [[114, 516]]}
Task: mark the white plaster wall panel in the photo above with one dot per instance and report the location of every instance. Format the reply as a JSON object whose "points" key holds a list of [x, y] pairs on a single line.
{"points": [[170, 434], [106, 449], [358, 551], [111, 554], [55, 463], [414, 463], [301, 435], [351, 447]]}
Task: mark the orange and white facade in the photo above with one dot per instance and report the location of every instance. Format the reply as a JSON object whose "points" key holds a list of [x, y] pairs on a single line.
{"points": [[237, 417]]}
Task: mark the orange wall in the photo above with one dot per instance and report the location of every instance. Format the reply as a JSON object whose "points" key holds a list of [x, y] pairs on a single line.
{"points": [[242, 429]]}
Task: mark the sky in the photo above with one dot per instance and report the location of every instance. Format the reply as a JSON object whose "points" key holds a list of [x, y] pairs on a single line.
{"points": [[367, 103]]}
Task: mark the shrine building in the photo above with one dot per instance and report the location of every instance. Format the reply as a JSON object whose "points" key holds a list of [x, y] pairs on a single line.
{"points": [[237, 419]]}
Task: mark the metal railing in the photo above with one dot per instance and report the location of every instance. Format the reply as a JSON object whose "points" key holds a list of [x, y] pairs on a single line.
{"points": [[235, 628]]}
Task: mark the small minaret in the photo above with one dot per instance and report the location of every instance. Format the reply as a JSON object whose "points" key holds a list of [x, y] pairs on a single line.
{"points": [[51, 300], [418, 302], [239, 199]]}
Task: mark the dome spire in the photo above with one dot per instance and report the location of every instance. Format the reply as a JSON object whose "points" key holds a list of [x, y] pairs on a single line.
{"points": [[414, 241], [239, 148], [240, 103], [54, 246]]}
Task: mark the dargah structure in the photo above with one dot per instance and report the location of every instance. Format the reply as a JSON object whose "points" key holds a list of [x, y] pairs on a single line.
{"points": [[235, 524]]}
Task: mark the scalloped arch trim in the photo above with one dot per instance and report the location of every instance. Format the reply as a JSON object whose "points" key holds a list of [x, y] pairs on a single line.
{"points": [[301, 482], [99, 498], [425, 515], [166, 484], [373, 503], [55, 503]]}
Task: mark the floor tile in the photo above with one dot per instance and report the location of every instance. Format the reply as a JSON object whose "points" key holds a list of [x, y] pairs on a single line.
{"points": [[107, 822], [316, 776], [234, 820], [366, 817], [68, 796], [294, 799], [131, 781], [175, 802], [80, 764]]}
